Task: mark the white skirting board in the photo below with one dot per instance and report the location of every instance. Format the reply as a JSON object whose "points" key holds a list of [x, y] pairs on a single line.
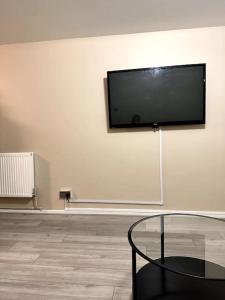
{"points": [[115, 211]]}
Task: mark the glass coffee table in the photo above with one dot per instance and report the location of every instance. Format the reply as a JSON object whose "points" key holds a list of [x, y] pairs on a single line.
{"points": [[184, 257]]}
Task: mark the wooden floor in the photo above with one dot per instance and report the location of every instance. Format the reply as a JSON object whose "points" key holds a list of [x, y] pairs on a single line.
{"points": [[64, 257], [46, 257]]}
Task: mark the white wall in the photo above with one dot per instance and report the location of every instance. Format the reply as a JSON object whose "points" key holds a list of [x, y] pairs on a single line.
{"points": [[53, 102]]}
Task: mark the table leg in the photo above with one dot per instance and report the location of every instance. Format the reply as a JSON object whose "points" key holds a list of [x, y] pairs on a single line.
{"points": [[134, 271], [162, 239]]}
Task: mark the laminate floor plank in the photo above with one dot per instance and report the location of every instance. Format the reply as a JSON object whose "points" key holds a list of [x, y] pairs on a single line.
{"points": [[86, 260], [12, 224], [108, 239], [6, 235], [122, 294], [54, 231], [21, 296], [34, 217], [46, 289], [65, 247], [6, 245], [18, 257], [54, 274]]}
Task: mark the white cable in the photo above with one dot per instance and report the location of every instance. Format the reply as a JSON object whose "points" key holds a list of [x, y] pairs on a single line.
{"points": [[65, 202], [159, 202], [161, 166]]}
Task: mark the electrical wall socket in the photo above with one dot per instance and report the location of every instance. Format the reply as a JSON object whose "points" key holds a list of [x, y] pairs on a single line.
{"points": [[65, 194]]}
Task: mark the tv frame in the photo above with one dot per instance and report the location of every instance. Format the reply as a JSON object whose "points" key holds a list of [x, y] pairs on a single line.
{"points": [[192, 122]]}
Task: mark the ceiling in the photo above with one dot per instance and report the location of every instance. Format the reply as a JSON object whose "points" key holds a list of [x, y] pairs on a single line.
{"points": [[38, 20]]}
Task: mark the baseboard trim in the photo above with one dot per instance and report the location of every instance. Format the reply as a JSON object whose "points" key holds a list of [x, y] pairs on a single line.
{"points": [[140, 212], [114, 211]]}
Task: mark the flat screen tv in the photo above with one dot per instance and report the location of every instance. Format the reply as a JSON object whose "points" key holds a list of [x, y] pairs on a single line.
{"points": [[172, 95]]}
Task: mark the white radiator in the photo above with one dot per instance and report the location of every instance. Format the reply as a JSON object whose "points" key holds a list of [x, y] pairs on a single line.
{"points": [[17, 174]]}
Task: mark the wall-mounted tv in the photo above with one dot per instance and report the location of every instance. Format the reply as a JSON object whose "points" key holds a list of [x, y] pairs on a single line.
{"points": [[172, 95]]}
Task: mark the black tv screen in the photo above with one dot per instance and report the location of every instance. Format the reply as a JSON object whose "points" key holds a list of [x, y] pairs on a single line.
{"points": [[170, 95]]}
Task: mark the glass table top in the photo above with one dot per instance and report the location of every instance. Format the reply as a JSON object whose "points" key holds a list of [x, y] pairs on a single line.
{"points": [[186, 244]]}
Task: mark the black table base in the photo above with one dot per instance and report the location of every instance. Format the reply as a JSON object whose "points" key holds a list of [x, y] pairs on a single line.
{"points": [[153, 282]]}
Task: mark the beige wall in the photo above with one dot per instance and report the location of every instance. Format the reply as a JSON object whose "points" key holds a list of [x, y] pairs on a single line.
{"points": [[52, 102]]}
